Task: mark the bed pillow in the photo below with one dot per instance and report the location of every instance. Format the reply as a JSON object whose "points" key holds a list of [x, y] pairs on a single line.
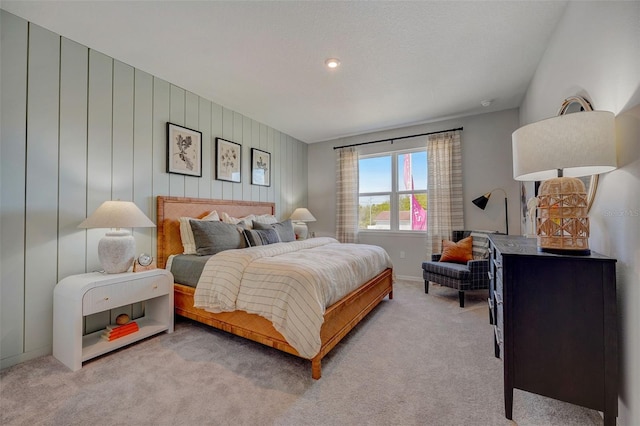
{"points": [[212, 237], [186, 234], [265, 218], [246, 222], [284, 229], [260, 237], [460, 252]]}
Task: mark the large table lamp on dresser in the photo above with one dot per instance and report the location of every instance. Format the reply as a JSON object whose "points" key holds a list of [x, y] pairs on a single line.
{"points": [[562, 149]]}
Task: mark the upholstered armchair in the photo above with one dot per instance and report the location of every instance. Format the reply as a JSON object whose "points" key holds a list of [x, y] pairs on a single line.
{"points": [[473, 275]]}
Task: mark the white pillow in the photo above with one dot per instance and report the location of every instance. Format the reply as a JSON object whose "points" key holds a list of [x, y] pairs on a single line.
{"points": [[186, 234], [246, 222], [267, 219]]}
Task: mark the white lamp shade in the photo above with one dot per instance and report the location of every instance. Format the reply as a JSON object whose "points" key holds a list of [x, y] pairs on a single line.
{"points": [[117, 214], [581, 144], [302, 215]]}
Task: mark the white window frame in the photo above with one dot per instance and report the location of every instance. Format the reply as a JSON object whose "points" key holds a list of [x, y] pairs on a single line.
{"points": [[394, 194]]}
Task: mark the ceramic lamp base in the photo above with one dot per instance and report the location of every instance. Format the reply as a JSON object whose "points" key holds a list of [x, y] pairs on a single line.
{"points": [[301, 230], [116, 251]]}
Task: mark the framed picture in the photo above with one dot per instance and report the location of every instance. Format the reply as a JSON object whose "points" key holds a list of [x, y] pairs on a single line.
{"points": [[228, 160], [260, 167], [184, 151]]}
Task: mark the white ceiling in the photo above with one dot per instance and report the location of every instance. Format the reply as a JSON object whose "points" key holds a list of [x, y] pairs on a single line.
{"points": [[403, 63]]}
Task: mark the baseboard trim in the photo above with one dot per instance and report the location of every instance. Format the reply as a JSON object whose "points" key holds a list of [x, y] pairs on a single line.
{"points": [[409, 278], [23, 357]]}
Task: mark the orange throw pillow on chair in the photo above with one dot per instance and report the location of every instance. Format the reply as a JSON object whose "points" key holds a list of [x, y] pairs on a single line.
{"points": [[459, 252]]}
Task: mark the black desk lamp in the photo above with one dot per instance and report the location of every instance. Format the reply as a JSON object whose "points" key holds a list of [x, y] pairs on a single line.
{"points": [[482, 201]]}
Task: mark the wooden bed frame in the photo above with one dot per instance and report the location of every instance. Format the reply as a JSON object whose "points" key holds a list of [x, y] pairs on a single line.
{"points": [[339, 318]]}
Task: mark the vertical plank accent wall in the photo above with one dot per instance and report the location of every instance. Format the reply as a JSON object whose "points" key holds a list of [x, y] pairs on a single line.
{"points": [[80, 128]]}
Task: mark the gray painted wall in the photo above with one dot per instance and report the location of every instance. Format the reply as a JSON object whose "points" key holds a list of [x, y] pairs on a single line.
{"points": [[79, 128], [487, 164], [603, 64]]}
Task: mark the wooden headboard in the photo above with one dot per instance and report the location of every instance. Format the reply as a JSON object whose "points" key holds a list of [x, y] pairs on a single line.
{"points": [[170, 209]]}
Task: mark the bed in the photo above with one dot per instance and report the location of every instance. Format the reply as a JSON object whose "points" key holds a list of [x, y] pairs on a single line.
{"points": [[339, 318]]}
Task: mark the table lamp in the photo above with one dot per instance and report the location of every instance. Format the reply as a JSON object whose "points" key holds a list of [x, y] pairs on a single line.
{"points": [[299, 217], [561, 149], [117, 249]]}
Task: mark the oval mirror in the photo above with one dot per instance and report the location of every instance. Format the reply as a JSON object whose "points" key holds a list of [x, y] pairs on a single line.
{"points": [[576, 104]]}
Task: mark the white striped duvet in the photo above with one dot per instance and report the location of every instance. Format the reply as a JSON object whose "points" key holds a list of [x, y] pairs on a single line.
{"points": [[290, 284]]}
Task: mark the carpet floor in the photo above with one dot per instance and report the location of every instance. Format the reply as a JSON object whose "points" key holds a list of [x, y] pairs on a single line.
{"points": [[415, 360]]}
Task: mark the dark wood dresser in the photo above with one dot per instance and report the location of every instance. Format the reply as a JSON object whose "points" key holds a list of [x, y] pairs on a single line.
{"points": [[555, 324]]}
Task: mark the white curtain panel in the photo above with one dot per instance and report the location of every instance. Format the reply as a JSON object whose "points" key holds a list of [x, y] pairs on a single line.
{"points": [[347, 195], [444, 186]]}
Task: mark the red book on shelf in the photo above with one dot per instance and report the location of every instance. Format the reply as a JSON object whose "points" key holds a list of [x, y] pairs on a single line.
{"points": [[121, 331], [115, 327], [111, 337]]}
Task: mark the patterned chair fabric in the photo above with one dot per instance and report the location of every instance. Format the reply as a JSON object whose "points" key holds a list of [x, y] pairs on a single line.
{"points": [[472, 276]]}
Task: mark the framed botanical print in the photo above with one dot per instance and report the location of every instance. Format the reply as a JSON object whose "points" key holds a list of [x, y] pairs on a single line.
{"points": [[184, 150], [228, 160], [260, 167]]}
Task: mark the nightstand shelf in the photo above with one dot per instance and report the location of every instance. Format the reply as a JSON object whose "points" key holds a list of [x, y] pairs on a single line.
{"points": [[93, 345], [78, 296]]}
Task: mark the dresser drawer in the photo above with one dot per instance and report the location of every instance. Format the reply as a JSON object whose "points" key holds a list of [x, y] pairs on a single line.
{"points": [[498, 280], [492, 311], [499, 309], [497, 268], [498, 333], [498, 256], [499, 321]]}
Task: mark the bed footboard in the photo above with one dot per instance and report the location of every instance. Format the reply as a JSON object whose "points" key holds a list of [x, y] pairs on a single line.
{"points": [[339, 319]]}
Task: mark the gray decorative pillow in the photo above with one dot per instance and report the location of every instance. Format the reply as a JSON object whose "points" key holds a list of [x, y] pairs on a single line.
{"points": [[212, 237], [284, 229], [260, 237]]}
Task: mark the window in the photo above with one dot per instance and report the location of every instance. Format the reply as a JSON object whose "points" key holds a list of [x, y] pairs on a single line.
{"points": [[393, 191]]}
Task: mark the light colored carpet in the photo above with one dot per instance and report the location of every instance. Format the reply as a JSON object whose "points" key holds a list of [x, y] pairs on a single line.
{"points": [[415, 360]]}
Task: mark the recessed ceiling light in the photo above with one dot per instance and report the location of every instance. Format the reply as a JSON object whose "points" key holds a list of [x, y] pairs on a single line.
{"points": [[486, 103], [332, 62]]}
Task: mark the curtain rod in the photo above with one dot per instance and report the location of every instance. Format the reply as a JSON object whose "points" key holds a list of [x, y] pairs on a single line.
{"points": [[395, 139]]}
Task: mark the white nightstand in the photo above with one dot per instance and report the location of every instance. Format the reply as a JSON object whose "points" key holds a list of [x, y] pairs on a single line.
{"points": [[80, 295]]}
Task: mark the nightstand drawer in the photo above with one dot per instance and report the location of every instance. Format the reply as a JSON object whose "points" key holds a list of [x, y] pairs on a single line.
{"points": [[148, 288], [103, 298]]}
